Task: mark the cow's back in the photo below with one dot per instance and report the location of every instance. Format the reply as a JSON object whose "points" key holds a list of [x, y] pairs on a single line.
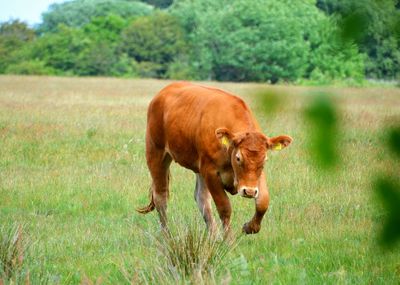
{"points": [[183, 118]]}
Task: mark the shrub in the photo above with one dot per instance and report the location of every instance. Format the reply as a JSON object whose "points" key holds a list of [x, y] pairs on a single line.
{"points": [[125, 66], [30, 67], [154, 42], [181, 69], [13, 35], [148, 69]]}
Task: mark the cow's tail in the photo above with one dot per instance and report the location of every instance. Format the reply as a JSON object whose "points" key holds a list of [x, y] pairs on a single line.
{"points": [[150, 207]]}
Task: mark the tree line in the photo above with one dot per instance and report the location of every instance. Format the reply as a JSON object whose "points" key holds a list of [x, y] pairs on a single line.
{"points": [[320, 41]]}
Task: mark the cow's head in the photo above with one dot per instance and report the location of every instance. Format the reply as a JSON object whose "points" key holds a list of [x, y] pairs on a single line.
{"points": [[248, 152]]}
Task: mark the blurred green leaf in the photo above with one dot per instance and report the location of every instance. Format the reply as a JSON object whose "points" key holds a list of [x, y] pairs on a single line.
{"points": [[269, 101], [394, 140], [91, 132], [321, 114], [353, 26], [388, 192]]}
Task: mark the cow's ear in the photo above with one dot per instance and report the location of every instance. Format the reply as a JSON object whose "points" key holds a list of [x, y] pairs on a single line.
{"points": [[224, 136], [279, 142]]}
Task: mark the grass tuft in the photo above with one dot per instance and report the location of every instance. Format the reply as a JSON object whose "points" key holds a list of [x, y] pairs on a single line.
{"points": [[12, 250], [191, 254]]}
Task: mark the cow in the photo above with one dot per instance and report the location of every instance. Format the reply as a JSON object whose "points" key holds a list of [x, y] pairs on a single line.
{"points": [[214, 134]]}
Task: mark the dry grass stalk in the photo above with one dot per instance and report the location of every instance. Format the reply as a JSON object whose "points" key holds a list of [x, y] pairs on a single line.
{"points": [[12, 249]]}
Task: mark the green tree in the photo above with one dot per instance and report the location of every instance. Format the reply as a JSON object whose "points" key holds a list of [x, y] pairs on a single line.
{"points": [[100, 53], [90, 50], [97, 58], [332, 59], [60, 50], [377, 34], [259, 40], [107, 28], [78, 13], [159, 3], [154, 42], [13, 35], [30, 67]]}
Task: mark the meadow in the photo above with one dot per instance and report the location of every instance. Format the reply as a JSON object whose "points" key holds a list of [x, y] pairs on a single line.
{"points": [[72, 172]]}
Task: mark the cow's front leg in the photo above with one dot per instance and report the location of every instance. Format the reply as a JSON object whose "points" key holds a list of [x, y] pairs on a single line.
{"points": [[219, 196], [262, 203], [203, 199]]}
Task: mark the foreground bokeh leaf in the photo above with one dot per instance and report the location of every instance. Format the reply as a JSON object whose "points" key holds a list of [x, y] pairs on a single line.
{"points": [[387, 190], [322, 116]]}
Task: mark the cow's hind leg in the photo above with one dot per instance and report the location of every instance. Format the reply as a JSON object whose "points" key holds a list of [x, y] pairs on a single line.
{"points": [[158, 162], [203, 199]]}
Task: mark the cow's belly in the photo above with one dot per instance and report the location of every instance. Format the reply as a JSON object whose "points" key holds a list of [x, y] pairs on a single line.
{"points": [[187, 158]]}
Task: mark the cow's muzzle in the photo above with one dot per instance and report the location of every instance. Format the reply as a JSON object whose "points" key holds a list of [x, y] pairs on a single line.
{"points": [[248, 192], [231, 190]]}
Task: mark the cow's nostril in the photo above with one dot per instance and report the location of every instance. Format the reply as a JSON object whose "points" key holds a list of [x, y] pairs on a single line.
{"points": [[244, 191]]}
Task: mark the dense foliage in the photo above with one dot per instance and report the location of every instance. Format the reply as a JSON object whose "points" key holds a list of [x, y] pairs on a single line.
{"points": [[77, 13], [232, 40], [159, 3], [153, 42], [265, 41], [13, 36], [378, 35]]}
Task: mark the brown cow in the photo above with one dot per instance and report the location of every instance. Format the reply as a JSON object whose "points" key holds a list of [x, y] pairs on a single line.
{"points": [[214, 134]]}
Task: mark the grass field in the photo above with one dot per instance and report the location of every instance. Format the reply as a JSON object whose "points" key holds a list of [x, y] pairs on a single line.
{"points": [[72, 171]]}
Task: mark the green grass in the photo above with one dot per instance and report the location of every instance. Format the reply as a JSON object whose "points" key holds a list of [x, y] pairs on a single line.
{"points": [[72, 171]]}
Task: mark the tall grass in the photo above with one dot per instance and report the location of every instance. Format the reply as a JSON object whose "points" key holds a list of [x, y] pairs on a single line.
{"points": [[184, 254], [191, 254], [13, 247], [15, 261]]}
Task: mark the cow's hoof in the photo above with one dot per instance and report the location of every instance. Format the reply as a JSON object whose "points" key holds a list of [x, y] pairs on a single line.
{"points": [[251, 228]]}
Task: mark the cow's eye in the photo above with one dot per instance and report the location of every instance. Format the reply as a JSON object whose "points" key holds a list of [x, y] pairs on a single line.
{"points": [[238, 157]]}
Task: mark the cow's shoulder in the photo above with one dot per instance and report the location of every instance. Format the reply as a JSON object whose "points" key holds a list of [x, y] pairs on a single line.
{"points": [[175, 87]]}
